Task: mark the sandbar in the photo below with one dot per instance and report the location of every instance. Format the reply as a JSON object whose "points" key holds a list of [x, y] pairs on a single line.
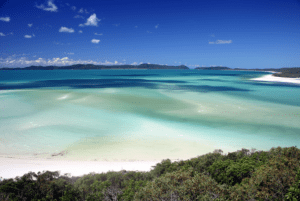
{"points": [[272, 78]]}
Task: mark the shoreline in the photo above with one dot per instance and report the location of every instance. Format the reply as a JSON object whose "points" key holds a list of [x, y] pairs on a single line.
{"points": [[12, 167], [272, 78]]}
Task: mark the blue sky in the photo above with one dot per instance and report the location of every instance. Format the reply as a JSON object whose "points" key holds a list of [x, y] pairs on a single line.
{"points": [[233, 33]]}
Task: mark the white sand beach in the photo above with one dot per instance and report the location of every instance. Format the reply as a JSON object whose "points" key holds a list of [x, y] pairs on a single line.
{"points": [[85, 157], [272, 78], [13, 167]]}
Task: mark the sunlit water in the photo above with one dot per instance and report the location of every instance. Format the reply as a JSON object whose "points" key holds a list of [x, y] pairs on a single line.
{"points": [[143, 114]]}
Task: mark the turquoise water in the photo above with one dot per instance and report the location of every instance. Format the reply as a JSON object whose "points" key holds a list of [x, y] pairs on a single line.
{"points": [[143, 114]]}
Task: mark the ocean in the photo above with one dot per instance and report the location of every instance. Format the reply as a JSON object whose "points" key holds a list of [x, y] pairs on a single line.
{"points": [[143, 115]]}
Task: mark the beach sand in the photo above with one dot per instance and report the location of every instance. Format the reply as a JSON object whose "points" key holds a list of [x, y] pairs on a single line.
{"points": [[272, 78], [12, 167], [84, 157]]}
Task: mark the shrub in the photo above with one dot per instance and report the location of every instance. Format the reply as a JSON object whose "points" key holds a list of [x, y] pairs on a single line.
{"points": [[182, 185]]}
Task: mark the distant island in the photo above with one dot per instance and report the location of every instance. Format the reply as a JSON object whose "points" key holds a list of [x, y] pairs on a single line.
{"points": [[288, 72], [239, 69], [101, 67], [213, 68], [280, 72]]}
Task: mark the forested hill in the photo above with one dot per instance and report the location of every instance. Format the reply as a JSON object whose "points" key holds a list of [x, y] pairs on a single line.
{"points": [[289, 72], [213, 68], [100, 67]]}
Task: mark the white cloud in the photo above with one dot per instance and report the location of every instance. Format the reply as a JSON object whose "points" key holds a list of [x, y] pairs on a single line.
{"points": [[156, 26], [100, 34], [95, 41], [28, 36], [24, 62], [116, 25], [91, 21], [30, 25], [80, 31], [116, 62], [79, 16], [5, 19], [73, 8], [2, 34], [65, 29], [51, 6], [136, 27], [221, 42], [134, 63]]}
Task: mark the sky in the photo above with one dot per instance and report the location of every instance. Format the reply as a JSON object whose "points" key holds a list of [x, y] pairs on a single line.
{"points": [[232, 33]]}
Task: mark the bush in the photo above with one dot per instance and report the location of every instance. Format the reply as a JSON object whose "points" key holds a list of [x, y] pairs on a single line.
{"points": [[270, 181], [294, 191], [182, 185]]}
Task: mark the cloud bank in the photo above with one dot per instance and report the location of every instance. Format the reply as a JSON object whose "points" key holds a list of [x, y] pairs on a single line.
{"points": [[65, 61]]}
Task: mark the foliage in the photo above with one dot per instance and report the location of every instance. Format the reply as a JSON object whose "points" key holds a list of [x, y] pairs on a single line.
{"points": [[42, 186], [236, 166], [294, 191], [241, 175], [182, 185], [272, 180]]}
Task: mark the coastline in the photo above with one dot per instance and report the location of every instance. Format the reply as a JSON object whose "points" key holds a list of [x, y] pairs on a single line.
{"points": [[12, 167], [272, 78], [81, 160]]}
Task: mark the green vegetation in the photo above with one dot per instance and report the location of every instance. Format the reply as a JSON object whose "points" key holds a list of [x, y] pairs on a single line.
{"points": [[241, 175], [289, 72]]}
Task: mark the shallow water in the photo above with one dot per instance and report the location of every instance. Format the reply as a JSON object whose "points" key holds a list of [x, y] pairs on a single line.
{"points": [[143, 114]]}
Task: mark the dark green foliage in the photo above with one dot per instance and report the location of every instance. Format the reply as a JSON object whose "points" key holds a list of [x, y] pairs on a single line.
{"points": [[163, 167], [122, 185], [241, 175], [182, 185], [294, 191], [37, 187], [236, 166], [272, 180], [199, 164]]}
